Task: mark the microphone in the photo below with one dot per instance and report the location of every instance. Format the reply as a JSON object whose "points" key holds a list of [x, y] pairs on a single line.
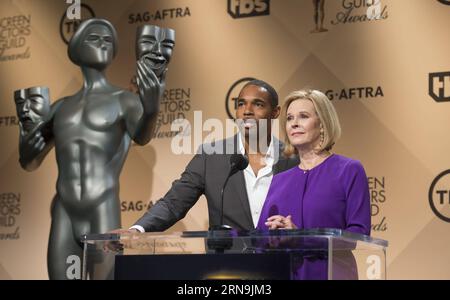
{"points": [[238, 162]]}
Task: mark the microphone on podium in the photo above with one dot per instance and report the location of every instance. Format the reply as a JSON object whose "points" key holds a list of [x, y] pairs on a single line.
{"points": [[238, 162]]}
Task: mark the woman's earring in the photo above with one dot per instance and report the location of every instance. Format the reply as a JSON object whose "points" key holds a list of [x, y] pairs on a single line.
{"points": [[322, 135]]}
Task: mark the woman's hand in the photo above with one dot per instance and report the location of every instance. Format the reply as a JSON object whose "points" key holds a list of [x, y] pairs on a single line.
{"points": [[280, 222]]}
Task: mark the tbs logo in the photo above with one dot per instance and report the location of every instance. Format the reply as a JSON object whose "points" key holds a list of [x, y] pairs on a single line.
{"points": [[439, 86], [248, 8]]}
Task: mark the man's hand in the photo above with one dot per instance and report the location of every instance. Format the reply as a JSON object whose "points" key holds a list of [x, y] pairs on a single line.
{"points": [[124, 231], [119, 245]]}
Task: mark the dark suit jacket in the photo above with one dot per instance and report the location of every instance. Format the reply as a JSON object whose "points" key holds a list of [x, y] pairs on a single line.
{"points": [[206, 174]]}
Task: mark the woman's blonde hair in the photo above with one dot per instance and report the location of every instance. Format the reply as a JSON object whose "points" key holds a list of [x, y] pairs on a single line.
{"points": [[325, 111]]}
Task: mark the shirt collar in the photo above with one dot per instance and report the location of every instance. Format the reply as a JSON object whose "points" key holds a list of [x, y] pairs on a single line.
{"points": [[270, 154]]}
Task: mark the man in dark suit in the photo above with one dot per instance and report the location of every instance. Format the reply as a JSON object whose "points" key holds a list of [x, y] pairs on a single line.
{"points": [[205, 174]]}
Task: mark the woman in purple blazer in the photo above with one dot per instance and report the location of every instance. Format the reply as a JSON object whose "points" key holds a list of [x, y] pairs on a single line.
{"points": [[326, 190]]}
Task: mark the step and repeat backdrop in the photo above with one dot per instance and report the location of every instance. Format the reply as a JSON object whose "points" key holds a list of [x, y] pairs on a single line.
{"points": [[388, 77]]}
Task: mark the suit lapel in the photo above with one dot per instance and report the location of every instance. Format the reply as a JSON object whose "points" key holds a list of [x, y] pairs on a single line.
{"points": [[279, 158], [283, 163], [280, 166], [238, 182]]}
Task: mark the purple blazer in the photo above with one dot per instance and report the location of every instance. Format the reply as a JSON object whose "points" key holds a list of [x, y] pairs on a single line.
{"points": [[334, 194]]}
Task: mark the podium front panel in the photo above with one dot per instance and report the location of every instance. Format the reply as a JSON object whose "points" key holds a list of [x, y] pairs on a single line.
{"points": [[318, 254]]}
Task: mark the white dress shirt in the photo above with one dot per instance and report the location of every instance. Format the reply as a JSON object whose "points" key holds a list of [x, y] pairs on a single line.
{"points": [[138, 228], [258, 185]]}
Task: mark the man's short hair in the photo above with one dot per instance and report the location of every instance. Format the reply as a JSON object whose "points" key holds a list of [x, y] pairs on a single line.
{"points": [[260, 83]]}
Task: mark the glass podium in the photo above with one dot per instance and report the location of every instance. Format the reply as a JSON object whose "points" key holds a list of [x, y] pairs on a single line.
{"points": [[317, 254]]}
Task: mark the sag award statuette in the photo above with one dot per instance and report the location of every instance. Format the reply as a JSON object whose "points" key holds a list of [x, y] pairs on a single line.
{"points": [[92, 131]]}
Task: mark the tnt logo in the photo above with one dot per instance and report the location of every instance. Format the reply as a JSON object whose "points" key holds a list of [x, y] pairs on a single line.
{"points": [[248, 8], [439, 196], [439, 86]]}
